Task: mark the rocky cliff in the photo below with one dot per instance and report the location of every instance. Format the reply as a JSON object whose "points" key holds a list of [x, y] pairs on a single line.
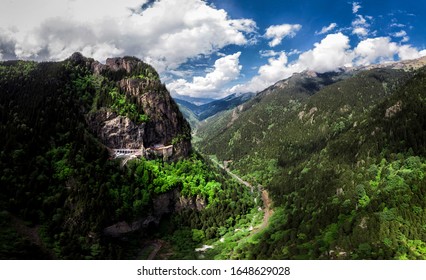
{"points": [[166, 203], [138, 84], [116, 131]]}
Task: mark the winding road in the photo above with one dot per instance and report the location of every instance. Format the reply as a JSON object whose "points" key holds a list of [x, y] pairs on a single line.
{"points": [[267, 203], [267, 209]]}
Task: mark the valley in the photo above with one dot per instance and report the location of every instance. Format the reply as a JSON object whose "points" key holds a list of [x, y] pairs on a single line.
{"points": [[99, 162], [330, 150]]}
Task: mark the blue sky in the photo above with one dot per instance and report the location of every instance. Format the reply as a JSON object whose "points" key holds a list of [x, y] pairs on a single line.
{"points": [[215, 48]]}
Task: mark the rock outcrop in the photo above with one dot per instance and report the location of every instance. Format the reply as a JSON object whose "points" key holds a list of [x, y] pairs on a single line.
{"points": [[163, 204], [116, 131], [140, 83], [161, 133]]}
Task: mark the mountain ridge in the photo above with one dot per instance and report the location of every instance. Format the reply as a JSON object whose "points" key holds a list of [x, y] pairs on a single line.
{"points": [[331, 155]]}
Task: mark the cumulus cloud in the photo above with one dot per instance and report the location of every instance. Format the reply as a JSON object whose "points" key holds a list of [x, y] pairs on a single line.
{"points": [[278, 32], [360, 21], [397, 25], [275, 70], [373, 49], [226, 69], [7, 44], [382, 49], [159, 32], [328, 55], [409, 52], [361, 26], [268, 53], [355, 7], [402, 34], [327, 29], [360, 31]]}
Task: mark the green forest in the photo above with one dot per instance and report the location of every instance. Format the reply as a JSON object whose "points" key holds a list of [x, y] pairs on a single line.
{"points": [[60, 188], [341, 155], [344, 162]]}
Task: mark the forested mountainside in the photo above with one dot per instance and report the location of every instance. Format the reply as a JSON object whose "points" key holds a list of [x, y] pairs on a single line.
{"points": [[343, 159], [96, 163]]}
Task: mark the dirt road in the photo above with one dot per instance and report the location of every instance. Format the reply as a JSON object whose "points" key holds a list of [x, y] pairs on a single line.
{"points": [[267, 203]]}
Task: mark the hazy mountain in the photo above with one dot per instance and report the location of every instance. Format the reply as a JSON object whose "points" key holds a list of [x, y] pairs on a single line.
{"points": [[194, 100], [209, 109]]}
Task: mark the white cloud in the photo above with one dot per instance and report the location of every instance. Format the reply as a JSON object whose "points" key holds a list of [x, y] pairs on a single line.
{"points": [[372, 50], [360, 26], [359, 21], [269, 53], [165, 34], [360, 31], [355, 7], [278, 32], [405, 39], [275, 70], [328, 55], [294, 52], [327, 29], [401, 34], [381, 49], [409, 52], [226, 69]]}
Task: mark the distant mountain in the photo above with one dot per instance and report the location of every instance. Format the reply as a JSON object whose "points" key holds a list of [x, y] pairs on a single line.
{"points": [[188, 113], [343, 155], [207, 110], [194, 100], [406, 65]]}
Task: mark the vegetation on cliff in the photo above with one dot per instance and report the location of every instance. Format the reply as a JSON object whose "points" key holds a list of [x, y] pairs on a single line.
{"points": [[59, 187]]}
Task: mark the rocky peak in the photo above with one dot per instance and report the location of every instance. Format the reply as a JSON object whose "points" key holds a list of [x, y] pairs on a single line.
{"points": [[125, 67], [127, 63], [79, 59], [140, 84], [166, 123]]}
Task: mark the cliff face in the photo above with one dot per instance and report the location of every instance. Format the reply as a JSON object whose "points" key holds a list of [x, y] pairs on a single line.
{"points": [[166, 203], [166, 123], [116, 132], [163, 124]]}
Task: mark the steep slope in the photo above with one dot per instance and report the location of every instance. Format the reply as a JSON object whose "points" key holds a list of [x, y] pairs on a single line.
{"points": [[63, 195], [256, 131], [345, 165], [362, 194], [189, 115]]}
